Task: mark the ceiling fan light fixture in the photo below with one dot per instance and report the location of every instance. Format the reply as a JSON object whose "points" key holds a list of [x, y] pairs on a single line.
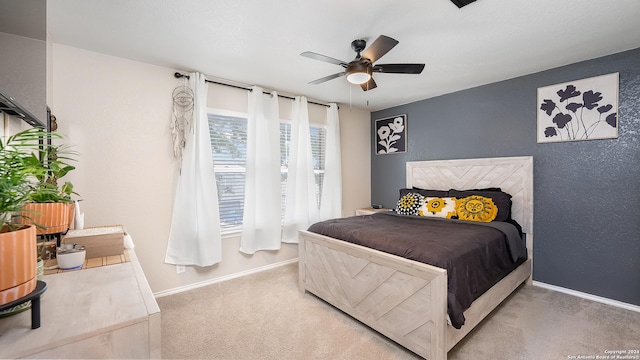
{"points": [[358, 77], [358, 72]]}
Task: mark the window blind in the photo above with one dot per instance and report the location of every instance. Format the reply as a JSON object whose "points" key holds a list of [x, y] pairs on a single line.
{"points": [[228, 136]]}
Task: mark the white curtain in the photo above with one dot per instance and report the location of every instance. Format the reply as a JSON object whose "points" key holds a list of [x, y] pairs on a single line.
{"points": [[195, 235], [262, 209], [331, 201], [301, 205]]}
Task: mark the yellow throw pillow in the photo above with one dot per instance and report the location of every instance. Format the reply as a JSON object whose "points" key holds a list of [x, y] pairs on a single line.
{"points": [[444, 207], [476, 208]]}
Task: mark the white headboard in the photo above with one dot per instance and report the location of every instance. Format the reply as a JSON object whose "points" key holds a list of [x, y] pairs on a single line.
{"points": [[514, 175]]}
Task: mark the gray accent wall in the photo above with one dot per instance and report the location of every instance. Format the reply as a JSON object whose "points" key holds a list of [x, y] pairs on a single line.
{"points": [[586, 193], [23, 54]]}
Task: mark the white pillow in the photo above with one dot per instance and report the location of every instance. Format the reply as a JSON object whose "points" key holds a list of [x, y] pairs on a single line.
{"points": [[443, 207]]}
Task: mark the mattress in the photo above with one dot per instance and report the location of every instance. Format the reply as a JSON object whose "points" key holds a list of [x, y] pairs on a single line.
{"points": [[476, 255]]}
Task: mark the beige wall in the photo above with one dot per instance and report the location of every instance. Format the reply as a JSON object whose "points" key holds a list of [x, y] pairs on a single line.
{"points": [[11, 125], [117, 112], [355, 143]]}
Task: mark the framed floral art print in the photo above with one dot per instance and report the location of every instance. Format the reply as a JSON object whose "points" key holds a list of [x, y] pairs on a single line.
{"points": [[584, 109], [391, 135]]}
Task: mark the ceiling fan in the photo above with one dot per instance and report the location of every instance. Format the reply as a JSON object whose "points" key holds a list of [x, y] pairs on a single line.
{"points": [[360, 70]]}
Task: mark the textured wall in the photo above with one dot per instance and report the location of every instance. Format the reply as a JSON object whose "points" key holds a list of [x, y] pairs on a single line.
{"points": [[23, 73], [586, 194], [126, 172], [23, 76]]}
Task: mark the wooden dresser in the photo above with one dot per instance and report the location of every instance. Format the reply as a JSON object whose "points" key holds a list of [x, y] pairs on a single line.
{"points": [[101, 312]]}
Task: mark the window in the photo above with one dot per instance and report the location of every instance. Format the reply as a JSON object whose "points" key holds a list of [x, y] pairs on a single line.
{"points": [[228, 134], [318, 142]]}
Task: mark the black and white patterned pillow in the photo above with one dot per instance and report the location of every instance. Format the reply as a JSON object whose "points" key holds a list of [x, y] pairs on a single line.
{"points": [[409, 204]]}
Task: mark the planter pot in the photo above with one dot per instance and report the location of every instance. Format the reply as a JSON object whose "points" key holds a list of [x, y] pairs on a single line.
{"points": [[40, 270], [25, 305], [18, 258], [54, 217]]}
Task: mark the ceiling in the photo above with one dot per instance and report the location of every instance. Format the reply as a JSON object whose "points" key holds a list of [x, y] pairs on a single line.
{"points": [[258, 42]]}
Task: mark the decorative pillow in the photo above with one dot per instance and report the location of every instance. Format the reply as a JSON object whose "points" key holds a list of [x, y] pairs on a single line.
{"points": [[501, 199], [476, 208], [424, 192], [444, 207], [409, 204], [429, 192]]}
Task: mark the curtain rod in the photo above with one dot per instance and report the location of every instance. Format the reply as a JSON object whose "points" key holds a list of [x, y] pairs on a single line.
{"points": [[179, 75]]}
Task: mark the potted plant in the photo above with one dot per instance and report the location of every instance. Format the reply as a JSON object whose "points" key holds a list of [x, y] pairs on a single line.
{"points": [[50, 206], [18, 254]]}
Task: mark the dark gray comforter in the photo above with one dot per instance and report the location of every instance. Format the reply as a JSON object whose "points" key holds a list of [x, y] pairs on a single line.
{"points": [[475, 255]]}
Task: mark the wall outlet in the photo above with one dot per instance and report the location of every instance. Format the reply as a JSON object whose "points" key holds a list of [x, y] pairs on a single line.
{"points": [[180, 269]]}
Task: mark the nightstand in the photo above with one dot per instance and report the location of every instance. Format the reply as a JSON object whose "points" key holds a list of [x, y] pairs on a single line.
{"points": [[369, 211]]}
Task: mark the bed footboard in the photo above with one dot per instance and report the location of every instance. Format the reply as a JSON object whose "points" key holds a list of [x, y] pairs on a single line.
{"points": [[364, 283]]}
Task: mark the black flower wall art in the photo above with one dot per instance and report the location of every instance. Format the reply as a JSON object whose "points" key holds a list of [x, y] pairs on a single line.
{"points": [[391, 135], [584, 109]]}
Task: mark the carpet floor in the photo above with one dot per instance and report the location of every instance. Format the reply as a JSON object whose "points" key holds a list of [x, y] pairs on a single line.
{"points": [[264, 316]]}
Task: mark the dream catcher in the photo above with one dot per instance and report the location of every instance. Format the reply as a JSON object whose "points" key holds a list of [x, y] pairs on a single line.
{"points": [[182, 115]]}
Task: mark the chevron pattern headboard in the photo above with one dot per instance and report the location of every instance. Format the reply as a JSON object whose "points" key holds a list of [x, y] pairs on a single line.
{"points": [[514, 175]]}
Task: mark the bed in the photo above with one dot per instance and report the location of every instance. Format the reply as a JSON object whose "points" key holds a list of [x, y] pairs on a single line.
{"points": [[406, 300]]}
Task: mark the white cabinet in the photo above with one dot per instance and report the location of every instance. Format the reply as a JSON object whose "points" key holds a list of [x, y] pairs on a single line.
{"points": [[102, 312]]}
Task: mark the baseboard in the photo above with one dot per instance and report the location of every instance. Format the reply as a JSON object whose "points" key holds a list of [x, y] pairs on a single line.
{"points": [[222, 278], [596, 298]]}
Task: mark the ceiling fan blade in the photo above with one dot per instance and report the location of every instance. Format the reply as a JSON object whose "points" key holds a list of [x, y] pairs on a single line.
{"points": [[327, 78], [399, 68], [381, 46], [324, 58], [369, 85]]}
